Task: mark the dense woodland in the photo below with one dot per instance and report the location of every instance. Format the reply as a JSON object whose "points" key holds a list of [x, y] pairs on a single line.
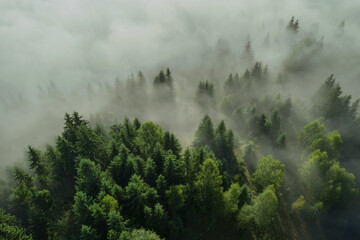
{"points": [[260, 164]]}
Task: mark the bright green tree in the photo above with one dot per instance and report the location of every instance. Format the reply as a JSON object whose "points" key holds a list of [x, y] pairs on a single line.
{"points": [[209, 187], [232, 197], [265, 207], [269, 172], [11, 229], [142, 234]]}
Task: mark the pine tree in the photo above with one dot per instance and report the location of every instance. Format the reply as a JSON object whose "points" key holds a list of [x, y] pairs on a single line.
{"points": [[208, 185], [205, 136], [293, 25]]}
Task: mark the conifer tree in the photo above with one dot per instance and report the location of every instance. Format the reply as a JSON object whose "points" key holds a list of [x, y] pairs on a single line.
{"points": [[205, 136]]}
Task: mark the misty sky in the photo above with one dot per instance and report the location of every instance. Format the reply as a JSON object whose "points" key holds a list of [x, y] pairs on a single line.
{"points": [[74, 41]]}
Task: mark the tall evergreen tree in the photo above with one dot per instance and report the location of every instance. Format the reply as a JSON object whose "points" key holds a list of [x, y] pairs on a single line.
{"points": [[205, 136]]}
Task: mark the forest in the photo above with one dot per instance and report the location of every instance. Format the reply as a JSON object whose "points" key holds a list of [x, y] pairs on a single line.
{"points": [[250, 154]]}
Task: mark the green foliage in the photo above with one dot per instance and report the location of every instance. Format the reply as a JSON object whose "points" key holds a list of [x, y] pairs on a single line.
{"points": [[159, 158], [248, 153], [157, 218], [284, 108], [88, 233], [312, 138], [232, 197], [312, 172], [281, 141], [76, 138], [95, 184], [176, 197], [40, 214], [43, 201], [148, 135], [227, 105], [164, 78], [88, 177], [120, 168], [232, 83], [265, 207], [246, 217], [221, 142], [205, 94], [341, 186], [265, 126], [209, 190], [116, 224], [298, 204], [11, 229], [275, 123], [109, 203], [172, 143], [142, 234], [81, 206], [161, 184], [238, 119], [189, 167], [224, 147], [177, 227], [334, 144], [37, 163], [310, 133], [256, 71], [269, 172], [205, 135], [24, 189], [331, 104], [317, 208], [173, 169], [150, 172], [163, 84], [245, 195], [98, 215], [89, 145], [139, 194], [293, 25], [327, 181], [125, 134]]}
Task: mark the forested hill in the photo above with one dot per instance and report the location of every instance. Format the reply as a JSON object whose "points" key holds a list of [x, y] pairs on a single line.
{"points": [[135, 181], [260, 164]]}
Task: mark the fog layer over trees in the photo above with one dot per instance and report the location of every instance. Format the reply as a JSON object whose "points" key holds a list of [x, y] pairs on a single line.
{"points": [[179, 121]]}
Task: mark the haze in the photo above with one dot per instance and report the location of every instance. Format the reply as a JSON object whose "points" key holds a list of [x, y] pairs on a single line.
{"points": [[65, 45]]}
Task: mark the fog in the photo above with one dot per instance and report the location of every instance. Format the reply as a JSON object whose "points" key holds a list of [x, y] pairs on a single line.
{"points": [[53, 52]]}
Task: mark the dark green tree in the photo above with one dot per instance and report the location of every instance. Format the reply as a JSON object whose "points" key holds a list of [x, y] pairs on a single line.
{"points": [[172, 143], [173, 169], [293, 25], [39, 165], [88, 177], [139, 194], [209, 188], [205, 95], [148, 135], [205, 136]]}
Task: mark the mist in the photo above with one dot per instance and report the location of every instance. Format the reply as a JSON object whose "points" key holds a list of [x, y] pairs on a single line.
{"points": [[102, 58], [69, 45]]}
